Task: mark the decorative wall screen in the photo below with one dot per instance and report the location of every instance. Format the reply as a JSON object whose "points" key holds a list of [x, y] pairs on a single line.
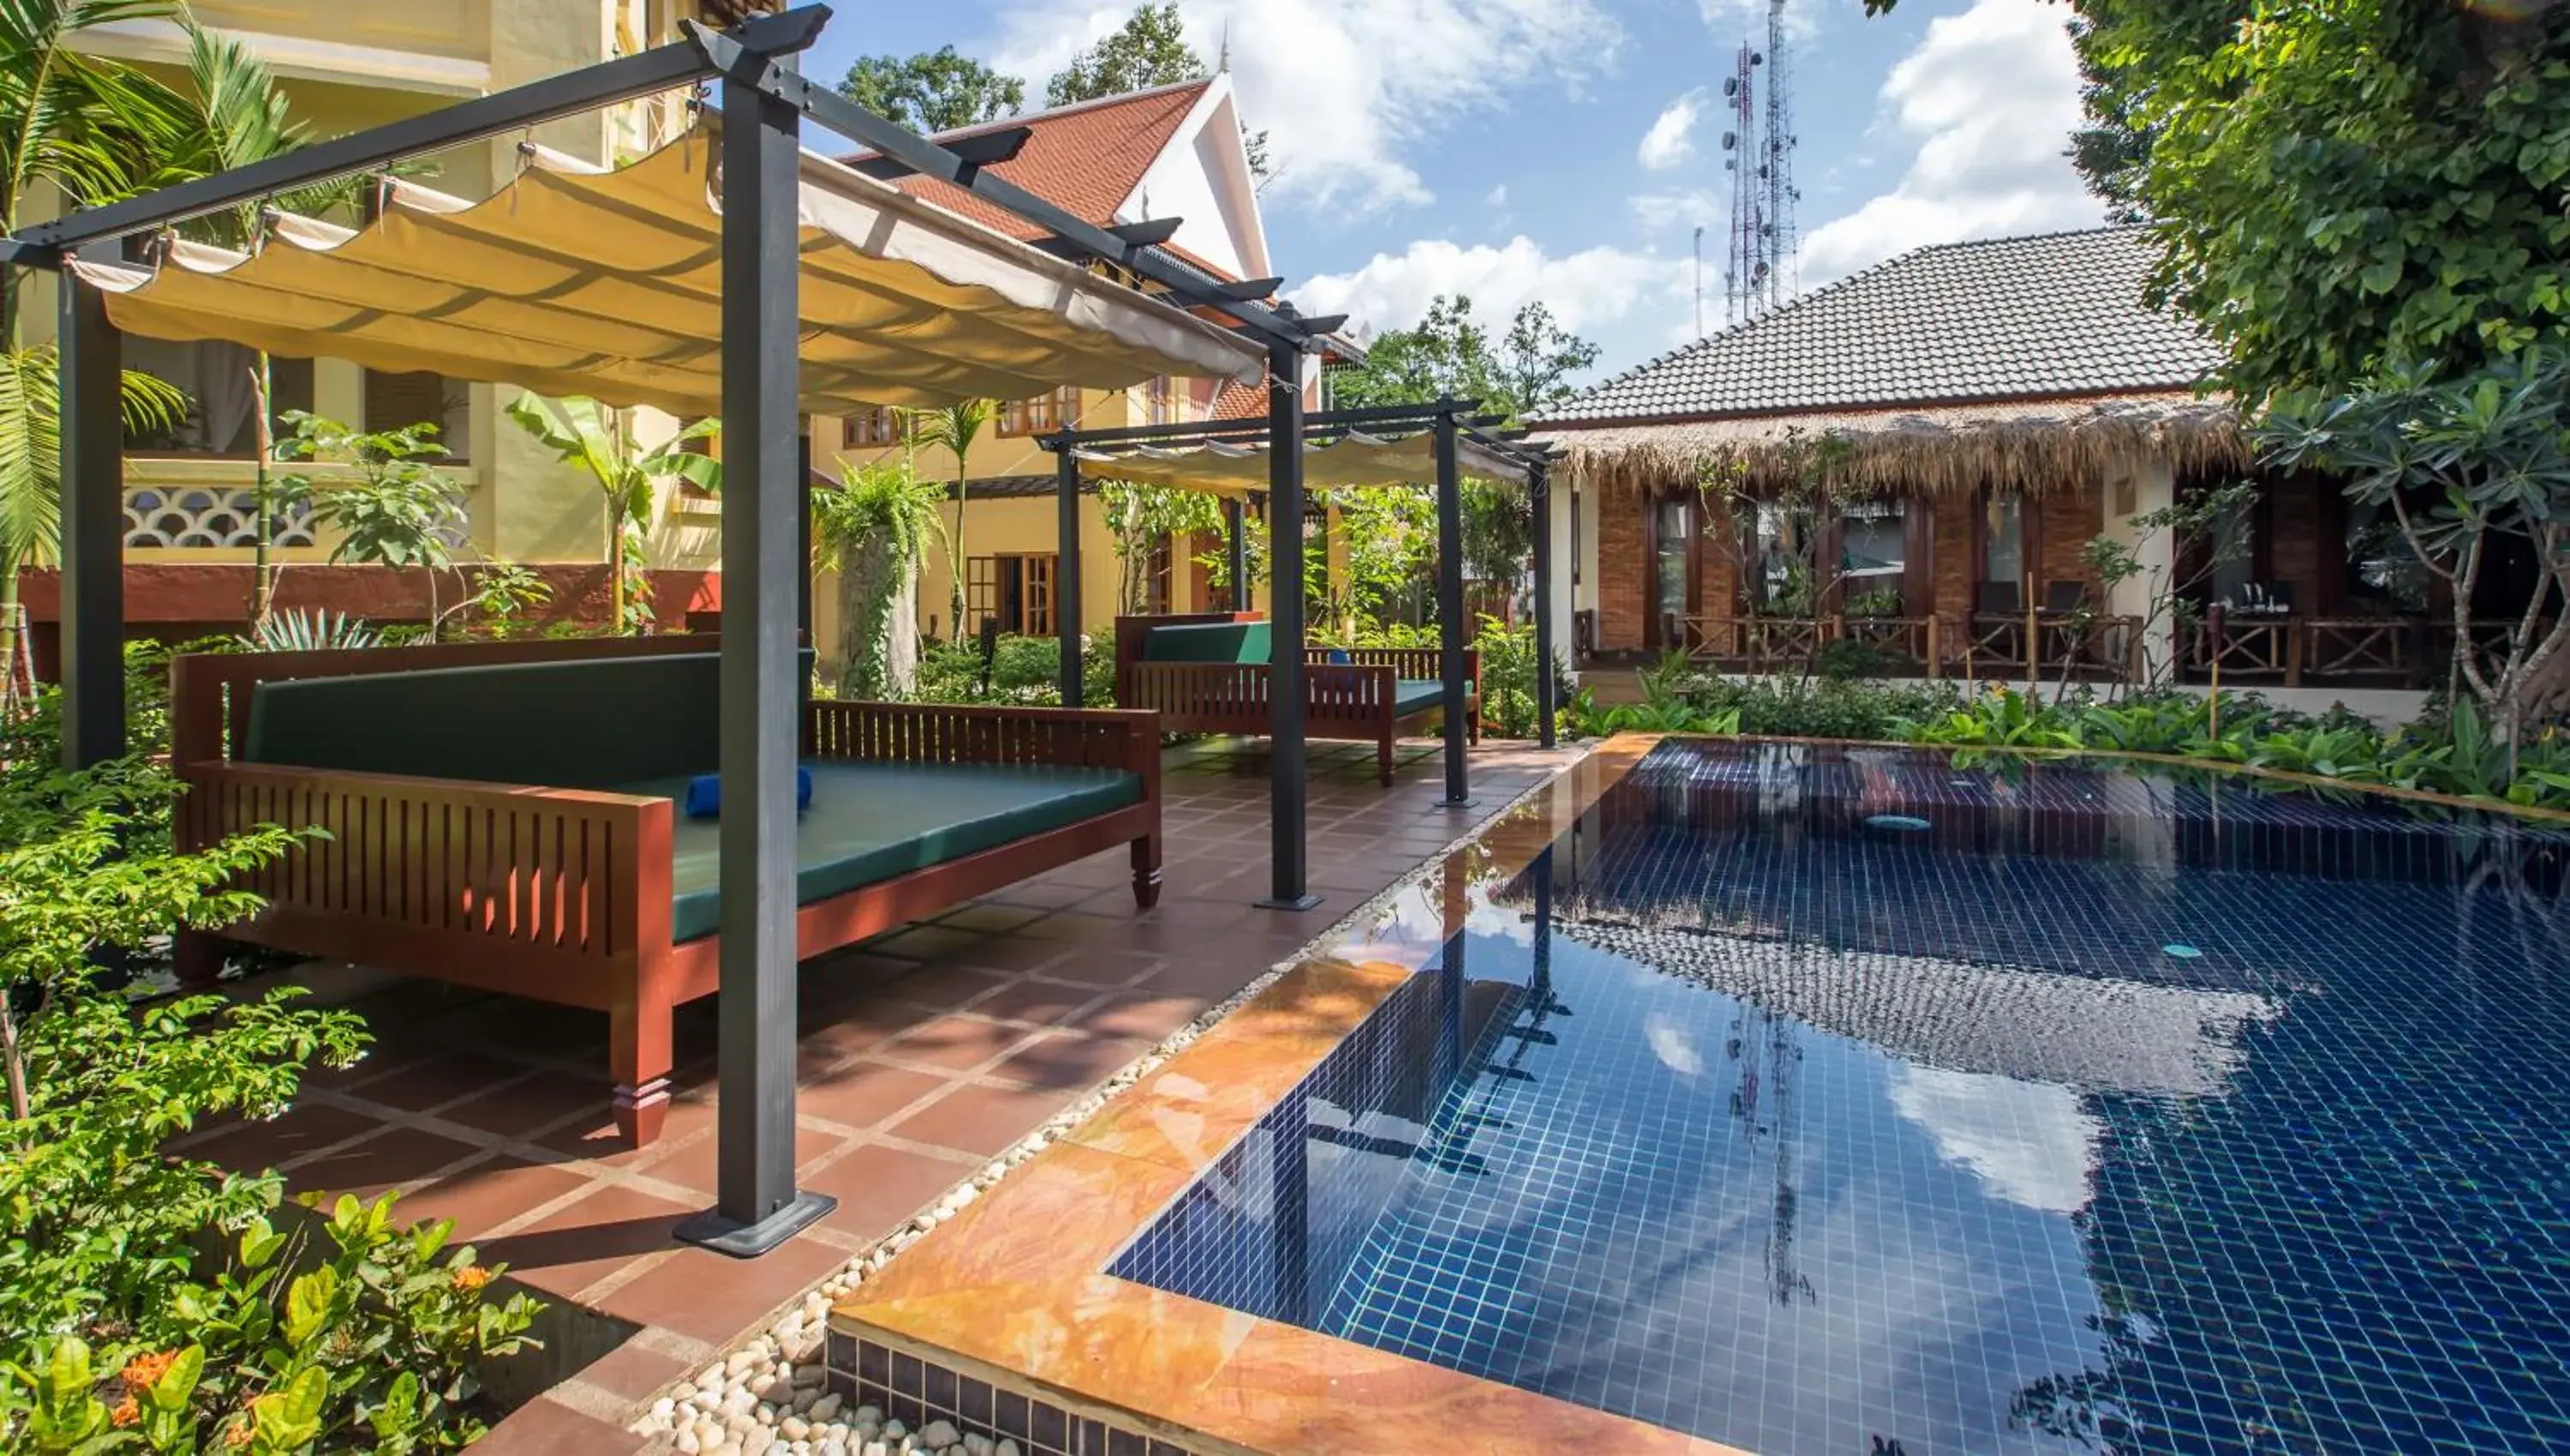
{"points": [[202, 516]]}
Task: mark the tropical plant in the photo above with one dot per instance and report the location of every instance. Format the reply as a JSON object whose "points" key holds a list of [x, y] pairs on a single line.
{"points": [[389, 504], [504, 596], [953, 428], [933, 91], [1139, 518], [873, 528], [587, 433], [2201, 540], [1391, 534], [2465, 465], [310, 632]]}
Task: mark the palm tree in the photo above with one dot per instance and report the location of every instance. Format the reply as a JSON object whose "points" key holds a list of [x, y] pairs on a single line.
{"points": [[587, 433], [90, 129], [954, 428]]}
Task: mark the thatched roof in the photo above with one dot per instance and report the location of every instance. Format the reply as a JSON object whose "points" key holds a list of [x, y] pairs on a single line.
{"points": [[2034, 446]]}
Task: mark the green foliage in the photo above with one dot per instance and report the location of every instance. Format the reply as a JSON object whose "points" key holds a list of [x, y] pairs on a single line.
{"points": [[1023, 671], [1390, 535], [873, 527], [953, 429], [584, 432], [310, 632], [1450, 355], [504, 596], [1150, 49], [1509, 664], [389, 504], [933, 91], [1140, 517], [2465, 465]]}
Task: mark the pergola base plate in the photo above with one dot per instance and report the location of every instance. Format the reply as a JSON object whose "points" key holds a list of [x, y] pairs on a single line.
{"points": [[1298, 902], [713, 1229], [1465, 802]]}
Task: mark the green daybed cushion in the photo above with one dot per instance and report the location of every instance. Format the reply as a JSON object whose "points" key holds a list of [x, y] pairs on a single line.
{"points": [[1418, 694], [871, 822], [588, 723], [1236, 642]]}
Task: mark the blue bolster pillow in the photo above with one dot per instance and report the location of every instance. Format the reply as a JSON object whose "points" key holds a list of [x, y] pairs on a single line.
{"points": [[704, 793]]}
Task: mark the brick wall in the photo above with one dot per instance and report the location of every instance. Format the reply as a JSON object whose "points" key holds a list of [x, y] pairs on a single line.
{"points": [[2298, 524], [1624, 566], [2070, 519], [1956, 563]]}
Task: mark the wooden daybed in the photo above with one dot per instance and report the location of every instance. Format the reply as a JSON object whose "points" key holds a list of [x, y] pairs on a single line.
{"points": [[502, 815], [1209, 673]]}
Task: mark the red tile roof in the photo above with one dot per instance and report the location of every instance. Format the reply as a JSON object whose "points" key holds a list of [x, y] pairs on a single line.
{"points": [[1085, 158]]}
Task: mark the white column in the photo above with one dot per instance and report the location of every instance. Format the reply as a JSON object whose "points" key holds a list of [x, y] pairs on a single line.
{"points": [[1561, 601], [2135, 489]]}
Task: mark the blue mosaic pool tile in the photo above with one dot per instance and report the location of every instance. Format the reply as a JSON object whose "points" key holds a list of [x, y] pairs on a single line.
{"points": [[1736, 1117]]}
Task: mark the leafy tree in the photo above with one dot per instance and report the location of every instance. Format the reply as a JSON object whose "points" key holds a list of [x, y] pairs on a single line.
{"points": [[2463, 463], [390, 505], [1449, 354], [2340, 185], [933, 91], [599, 440], [953, 429], [1151, 50]]}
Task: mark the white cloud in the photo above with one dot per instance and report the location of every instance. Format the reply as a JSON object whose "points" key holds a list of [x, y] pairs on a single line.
{"points": [[1671, 139], [2032, 1142], [1344, 88], [1745, 19], [1992, 96], [1598, 294], [1498, 197], [1684, 208]]}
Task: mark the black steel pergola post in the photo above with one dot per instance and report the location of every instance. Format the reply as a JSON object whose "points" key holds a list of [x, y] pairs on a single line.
{"points": [[757, 1207], [1287, 777], [1539, 496], [1065, 572], [92, 527], [1235, 513], [1450, 603]]}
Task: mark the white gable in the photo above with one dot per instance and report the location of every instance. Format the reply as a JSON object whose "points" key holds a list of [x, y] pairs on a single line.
{"points": [[1202, 176]]}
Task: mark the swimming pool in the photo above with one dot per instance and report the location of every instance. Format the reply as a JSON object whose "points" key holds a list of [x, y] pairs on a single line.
{"points": [[1843, 1101]]}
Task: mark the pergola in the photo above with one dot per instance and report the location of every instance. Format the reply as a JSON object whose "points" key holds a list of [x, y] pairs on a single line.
{"points": [[1236, 459], [730, 271]]}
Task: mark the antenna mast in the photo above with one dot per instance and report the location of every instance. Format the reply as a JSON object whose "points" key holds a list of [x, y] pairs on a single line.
{"points": [[1699, 282], [1758, 152], [1781, 244]]}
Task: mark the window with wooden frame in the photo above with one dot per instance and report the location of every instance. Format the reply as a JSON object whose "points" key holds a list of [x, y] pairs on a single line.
{"points": [[1161, 401], [399, 401], [1014, 590], [1044, 413], [878, 426], [1161, 582]]}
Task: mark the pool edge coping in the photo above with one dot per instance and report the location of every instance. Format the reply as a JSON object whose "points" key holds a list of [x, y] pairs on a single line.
{"points": [[1013, 1290]]}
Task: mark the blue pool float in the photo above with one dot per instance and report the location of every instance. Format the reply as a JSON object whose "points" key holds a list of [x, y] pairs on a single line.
{"points": [[704, 793]]}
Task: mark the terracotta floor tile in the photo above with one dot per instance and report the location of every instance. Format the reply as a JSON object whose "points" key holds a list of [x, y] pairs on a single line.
{"points": [[599, 1139], [715, 1297], [549, 1428], [1043, 1002], [1103, 965], [983, 1120], [878, 1189], [576, 1245], [487, 1195], [392, 1157], [862, 1025], [632, 1371], [1069, 1060], [443, 1077], [1150, 1015], [929, 942], [956, 1042], [1042, 894], [944, 986], [253, 1147], [1205, 978], [694, 1163], [1014, 953], [989, 918], [520, 1108], [863, 1094]]}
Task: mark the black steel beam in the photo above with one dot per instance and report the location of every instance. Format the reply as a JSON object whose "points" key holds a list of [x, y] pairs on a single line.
{"points": [[1149, 233], [93, 528], [757, 1207], [828, 108], [1540, 495], [659, 69], [1235, 513], [1066, 576], [1315, 422], [1287, 773], [1449, 606], [982, 148], [1249, 289]]}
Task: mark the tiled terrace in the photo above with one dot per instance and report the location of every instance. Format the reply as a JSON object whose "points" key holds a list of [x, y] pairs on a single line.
{"points": [[924, 1053]]}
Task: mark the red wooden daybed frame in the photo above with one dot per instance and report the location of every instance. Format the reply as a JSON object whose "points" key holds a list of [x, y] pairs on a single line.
{"points": [[1347, 701], [564, 894]]}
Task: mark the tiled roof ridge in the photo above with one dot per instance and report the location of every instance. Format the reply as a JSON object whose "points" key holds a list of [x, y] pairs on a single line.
{"points": [[1801, 303]]}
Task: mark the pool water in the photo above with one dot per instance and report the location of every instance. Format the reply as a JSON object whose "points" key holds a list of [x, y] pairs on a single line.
{"points": [[2098, 1114]]}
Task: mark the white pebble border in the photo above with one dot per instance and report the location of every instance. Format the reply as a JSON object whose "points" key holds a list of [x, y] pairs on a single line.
{"points": [[768, 1398]]}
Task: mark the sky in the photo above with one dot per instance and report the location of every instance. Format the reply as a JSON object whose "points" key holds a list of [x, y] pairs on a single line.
{"points": [[1565, 150]]}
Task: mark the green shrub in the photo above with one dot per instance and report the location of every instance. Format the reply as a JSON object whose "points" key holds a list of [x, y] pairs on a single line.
{"points": [[1025, 671]]}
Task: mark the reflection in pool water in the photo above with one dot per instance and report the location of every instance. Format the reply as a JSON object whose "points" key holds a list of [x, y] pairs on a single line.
{"points": [[1734, 1117]]}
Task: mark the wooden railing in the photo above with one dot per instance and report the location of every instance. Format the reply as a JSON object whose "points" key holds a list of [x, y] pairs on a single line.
{"points": [[2290, 649], [944, 733]]}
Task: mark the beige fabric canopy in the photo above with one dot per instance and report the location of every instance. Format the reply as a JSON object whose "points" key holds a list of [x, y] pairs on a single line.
{"points": [[1225, 467], [578, 279]]}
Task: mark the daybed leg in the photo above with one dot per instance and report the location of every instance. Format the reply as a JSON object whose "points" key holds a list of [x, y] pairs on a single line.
{"points": [[1147, 870], [1383, 758], [639, 1060], [198, 957]]}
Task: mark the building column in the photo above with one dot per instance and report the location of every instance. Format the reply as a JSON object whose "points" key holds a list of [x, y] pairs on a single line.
{"points": [[1286, 770], [93, 527], [1065, 572], [2143, 485], [1550, 602], [1449, 606]]}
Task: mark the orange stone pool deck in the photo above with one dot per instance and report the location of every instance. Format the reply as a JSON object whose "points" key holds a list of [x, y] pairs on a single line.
{"points": [[1011, 1293], [923, 1054]]}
